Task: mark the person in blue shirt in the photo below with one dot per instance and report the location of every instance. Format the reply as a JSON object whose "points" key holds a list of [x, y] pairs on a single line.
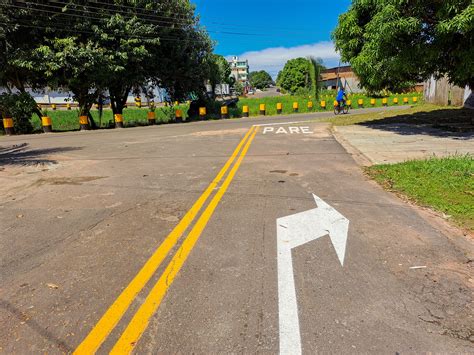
{"points": [[341, 97]]}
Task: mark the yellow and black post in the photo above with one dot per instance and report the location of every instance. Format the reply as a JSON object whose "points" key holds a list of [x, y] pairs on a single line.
{"points": [[262, 109], [349, 103], [245, 111], [323, 105], [118, 120], [8, 126], [405, 100], [53, 106], [138, 102], [372, 102], [68, 106], [395, 100], [360, 103], [295, 106], [179, 116], [47, 124], [310, 105], [202, 113], [84, 122], [384, 102], [279, 108], [151, 117], [224, 112]]}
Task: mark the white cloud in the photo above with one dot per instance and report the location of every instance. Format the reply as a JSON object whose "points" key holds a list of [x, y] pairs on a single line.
{"points": [[273, 59]]}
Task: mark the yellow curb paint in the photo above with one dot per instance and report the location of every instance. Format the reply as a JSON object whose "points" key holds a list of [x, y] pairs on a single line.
{"points": [[112, 316], [140, 320]]}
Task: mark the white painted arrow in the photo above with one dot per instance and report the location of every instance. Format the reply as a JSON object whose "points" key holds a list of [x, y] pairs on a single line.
{"points": [[293, 231]]}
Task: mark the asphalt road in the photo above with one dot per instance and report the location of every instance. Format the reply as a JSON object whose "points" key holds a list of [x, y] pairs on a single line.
{"points": [[164, 240]]}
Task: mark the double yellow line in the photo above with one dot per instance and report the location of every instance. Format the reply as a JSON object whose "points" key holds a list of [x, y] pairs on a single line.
{"points": [[140, 320]]}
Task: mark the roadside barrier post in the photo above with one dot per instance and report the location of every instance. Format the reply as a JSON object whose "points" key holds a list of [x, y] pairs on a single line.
{"points": [[47, 124], [262, 109], [118, 120], [279, 108], [224, 112], [395, 100], [335, 103], [384, 101], [310, 105], [179, 116], [349, 103], [84, 122], [68, 106], [415, 100], [138, 102], [323, 105], [151, 118], [360, 103], [8, 126], [405, 100], [372, 102], [53, 106], [202, 113], [245, 111], [295, 107]]}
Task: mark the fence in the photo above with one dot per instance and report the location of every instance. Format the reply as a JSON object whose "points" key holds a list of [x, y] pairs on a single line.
{"points": [[441, 92]]}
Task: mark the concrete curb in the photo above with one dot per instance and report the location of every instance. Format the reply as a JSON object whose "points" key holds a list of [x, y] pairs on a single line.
{"points": [[356, 154]]}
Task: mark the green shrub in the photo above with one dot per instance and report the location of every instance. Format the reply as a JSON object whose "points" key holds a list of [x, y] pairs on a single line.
{"points": [[20, 107]]}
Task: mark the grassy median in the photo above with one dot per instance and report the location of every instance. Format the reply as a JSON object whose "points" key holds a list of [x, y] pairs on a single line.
{"points": [[444, 184]]}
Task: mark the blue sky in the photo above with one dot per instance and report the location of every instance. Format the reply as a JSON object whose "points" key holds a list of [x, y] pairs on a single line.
{"points": [[269, 32]]}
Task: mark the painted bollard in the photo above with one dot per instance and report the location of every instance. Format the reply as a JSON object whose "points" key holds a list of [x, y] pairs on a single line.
{"points": [[335, 103], [47, 124], [323, 105], [310, 105], [384, 101], [415, 100], [138, 102], [360, 103], [395, 100], [84, 123], [295, 107], [279, 108], [179, 116], [8, 126], [245, 111], [151, 117], [262, 109], [53, 106], [118, 120], [349, 103], [405, 100], [224, 112], [202, 113], [68, 106], [372, 102]]}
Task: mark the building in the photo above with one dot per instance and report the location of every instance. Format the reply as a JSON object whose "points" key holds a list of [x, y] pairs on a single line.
{"points": [[240, 70], [347, 78]]}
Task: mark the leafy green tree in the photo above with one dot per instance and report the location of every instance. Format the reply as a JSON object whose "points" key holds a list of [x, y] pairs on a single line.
{"points": [[301, 75], [260, 79], [238, 88], [392, 44]]}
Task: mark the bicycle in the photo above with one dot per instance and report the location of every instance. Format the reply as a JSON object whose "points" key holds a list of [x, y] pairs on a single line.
{"points": [[341, 109]]}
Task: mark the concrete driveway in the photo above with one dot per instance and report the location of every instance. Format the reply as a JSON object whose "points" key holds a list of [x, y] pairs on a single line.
{"points": [[176, 239]]}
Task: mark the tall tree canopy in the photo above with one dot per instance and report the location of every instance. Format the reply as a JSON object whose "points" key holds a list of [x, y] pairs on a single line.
{"points": [[393, 43], [260, 79], [301, 74]]}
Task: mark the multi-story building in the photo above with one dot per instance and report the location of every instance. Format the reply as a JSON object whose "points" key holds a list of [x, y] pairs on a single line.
{"points": [[240, 70]]}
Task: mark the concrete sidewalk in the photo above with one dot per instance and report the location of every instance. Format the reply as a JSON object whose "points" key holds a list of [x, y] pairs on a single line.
{"points": [[394, 143]]}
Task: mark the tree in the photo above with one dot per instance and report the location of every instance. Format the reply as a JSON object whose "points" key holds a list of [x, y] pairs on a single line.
{"points": [[391, 43], [260, 79], [301, 74]]}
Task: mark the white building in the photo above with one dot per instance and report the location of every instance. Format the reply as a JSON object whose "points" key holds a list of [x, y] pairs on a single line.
{"points": [[240, 70]]}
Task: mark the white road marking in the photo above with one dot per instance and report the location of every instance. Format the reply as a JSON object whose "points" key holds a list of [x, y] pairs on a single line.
{"points": [[288, 130], [294, 231]]}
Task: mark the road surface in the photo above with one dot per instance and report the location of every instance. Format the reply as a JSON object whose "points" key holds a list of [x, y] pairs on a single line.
{"points": [[221, 237]]}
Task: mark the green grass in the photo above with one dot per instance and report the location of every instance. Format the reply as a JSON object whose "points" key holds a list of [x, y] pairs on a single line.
{"points": [[328, 96], [64, 120], [444, 184]]}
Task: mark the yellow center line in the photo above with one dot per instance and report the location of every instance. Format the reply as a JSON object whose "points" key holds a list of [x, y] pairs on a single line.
{"points": [[140, 320], [115, 312]]}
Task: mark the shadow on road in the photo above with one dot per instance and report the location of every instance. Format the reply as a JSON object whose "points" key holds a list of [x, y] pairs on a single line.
{"points": [[19, 154], [37, 328], [452, 123]]}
